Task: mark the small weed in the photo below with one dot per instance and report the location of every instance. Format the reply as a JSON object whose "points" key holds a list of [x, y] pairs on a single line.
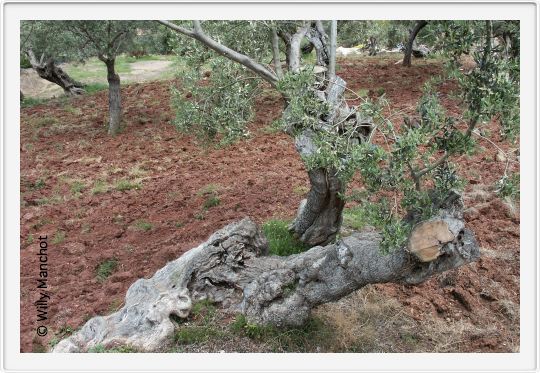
{"points": [[30, 239], [39, 184], [355, 217], [30, 101], [199, 216], [280, 240], [123, 185], [77, 187], [86, 228], [59, 237], [100, 349], [195, 334], [100, 187], [380, 91], [179, 224], [210, 189], [137, 171], [143, 225], [95, 87], [211, 201], [313, 332], [72, 110], [42, 222], [106, 268], [45, 121], [364, 92]]}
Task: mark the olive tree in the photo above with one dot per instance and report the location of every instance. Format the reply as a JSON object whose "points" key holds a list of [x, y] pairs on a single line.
{"points": [[411, 187], [80, 40], [43, 52]]}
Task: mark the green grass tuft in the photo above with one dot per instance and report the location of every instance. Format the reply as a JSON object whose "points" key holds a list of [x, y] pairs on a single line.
{"points": [[280, 240], [59, 237], [143, 225], [124, 184], [106, 268]]}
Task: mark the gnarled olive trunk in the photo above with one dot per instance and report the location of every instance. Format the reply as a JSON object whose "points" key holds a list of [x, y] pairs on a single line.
{"points": [[51, 72], [319, 216], [232, 269], [412, 36], [115, 104]]}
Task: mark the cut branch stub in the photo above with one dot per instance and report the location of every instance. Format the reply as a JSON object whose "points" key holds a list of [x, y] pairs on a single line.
{"points": [[427, 239]]}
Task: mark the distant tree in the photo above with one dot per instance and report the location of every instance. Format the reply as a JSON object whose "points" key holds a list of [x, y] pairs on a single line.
{"points": [[419, 25], [80, 40], [42, 52]]}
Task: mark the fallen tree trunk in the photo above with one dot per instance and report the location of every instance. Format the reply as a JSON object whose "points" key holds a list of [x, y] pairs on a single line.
{"points": [[51, 72], [232, 270]]}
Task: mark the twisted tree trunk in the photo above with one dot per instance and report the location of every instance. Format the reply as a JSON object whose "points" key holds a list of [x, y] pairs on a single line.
{"points": [[232, 270], [412, 36], [51, 72], [115, 103]]}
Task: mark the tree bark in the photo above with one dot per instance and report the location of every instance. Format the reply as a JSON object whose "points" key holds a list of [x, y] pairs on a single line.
{"points": [[232, 270], [51, 72], [115, 103], [412, 36], [276, 54]]}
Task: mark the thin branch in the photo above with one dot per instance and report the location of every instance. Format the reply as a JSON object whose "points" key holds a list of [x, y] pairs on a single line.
{"points": [[198, 34]]}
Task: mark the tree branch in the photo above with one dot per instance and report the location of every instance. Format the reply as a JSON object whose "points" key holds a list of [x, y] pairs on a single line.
{"points": [[198, 34]]}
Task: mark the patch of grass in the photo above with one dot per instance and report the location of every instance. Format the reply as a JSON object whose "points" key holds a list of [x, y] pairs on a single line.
{"points": [[364, 92], [280, 241], [210, 189], [124, 184], [137, 171], [77, 187], [191, 334], [59, 237], [100, 187], [210, 192], [211, 201], [39, 184], [95, 87], [106, 268], [73, 110], [31, 101], [355, 218], [143, 225], [100, 349], [298, 339], [201, 326], [45, 121]]}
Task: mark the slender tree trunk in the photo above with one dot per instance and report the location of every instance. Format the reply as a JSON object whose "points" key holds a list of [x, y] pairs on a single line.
{"points": [[412, 36], [115, 104], [276, 55], [51, 72]]}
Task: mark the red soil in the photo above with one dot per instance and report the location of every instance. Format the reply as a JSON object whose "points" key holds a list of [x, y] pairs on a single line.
{"points": [[259, 177]]}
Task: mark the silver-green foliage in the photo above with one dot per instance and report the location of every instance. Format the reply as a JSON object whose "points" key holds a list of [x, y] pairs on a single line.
{"points": [[215, 96]]}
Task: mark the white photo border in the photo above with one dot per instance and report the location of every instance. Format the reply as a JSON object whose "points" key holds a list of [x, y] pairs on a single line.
{"points": [[14, 11]]}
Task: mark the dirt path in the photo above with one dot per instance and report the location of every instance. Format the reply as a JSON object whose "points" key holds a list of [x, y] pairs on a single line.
{"points": [[141, 71]]}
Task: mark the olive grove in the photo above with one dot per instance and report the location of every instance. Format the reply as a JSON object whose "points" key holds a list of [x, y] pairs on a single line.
{"points": [[411, 195]]}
